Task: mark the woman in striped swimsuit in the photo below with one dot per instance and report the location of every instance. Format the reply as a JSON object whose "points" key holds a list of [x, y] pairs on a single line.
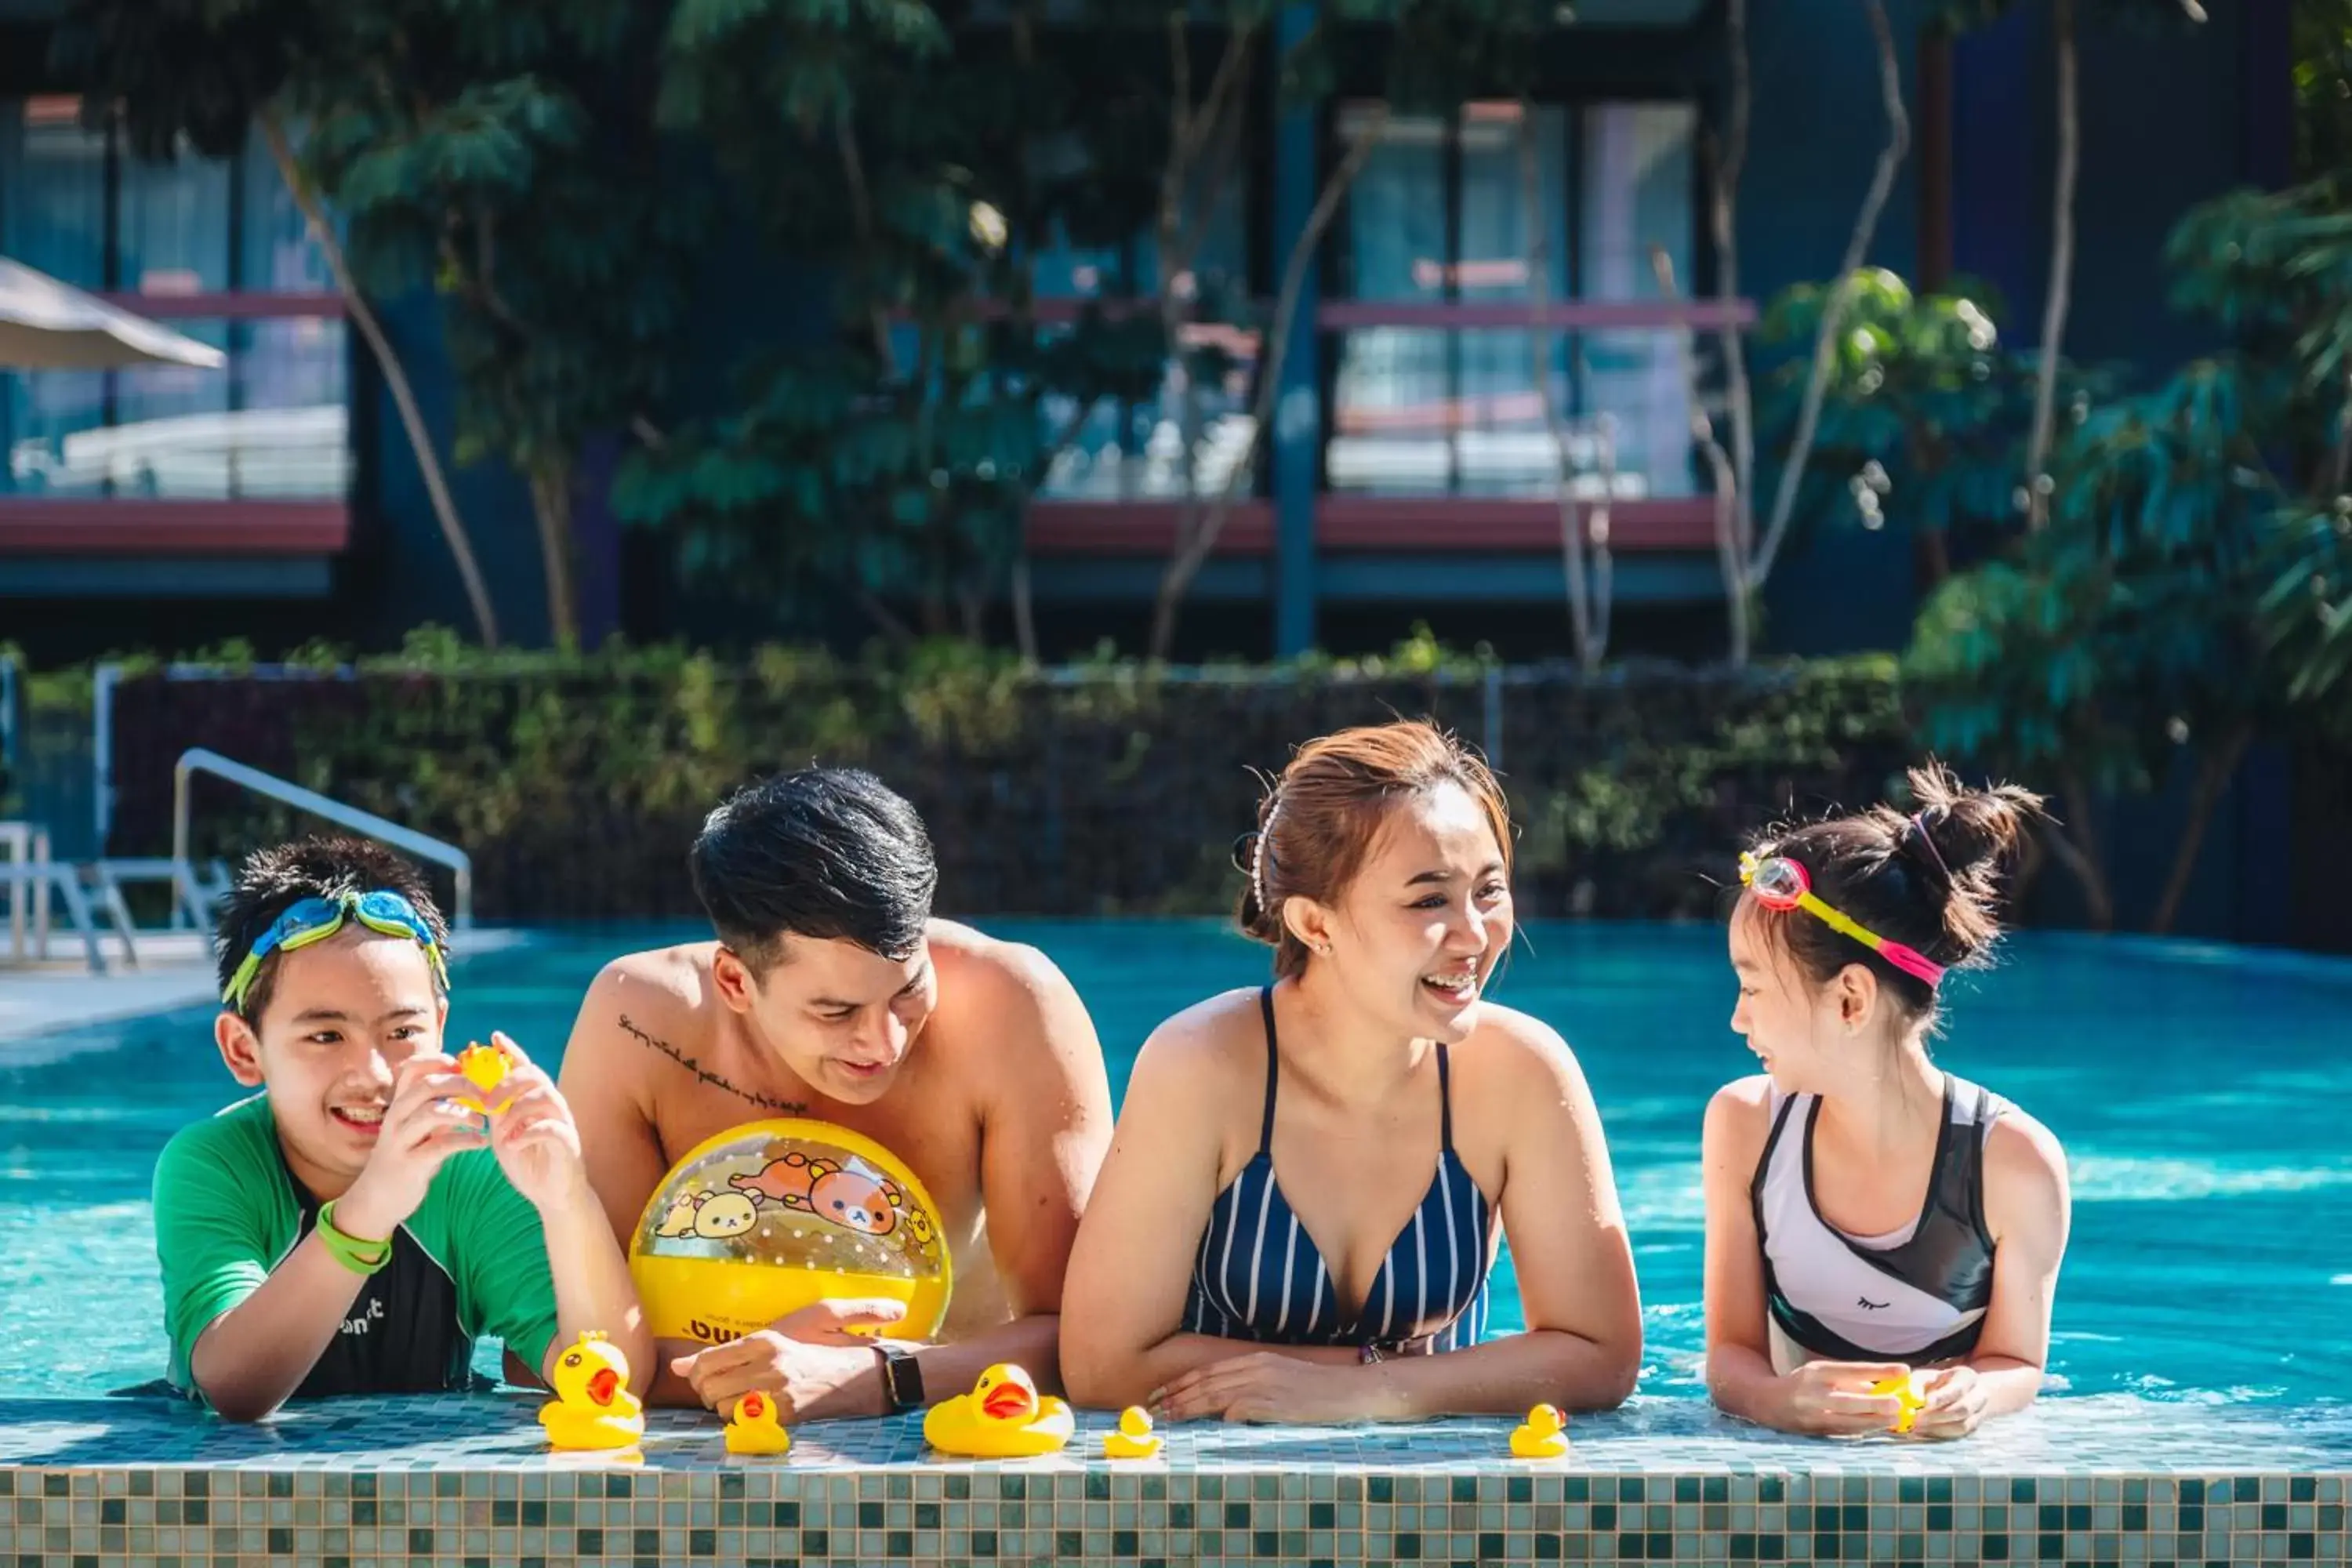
{"points": [[1867, 1212], [1303, 1194]]}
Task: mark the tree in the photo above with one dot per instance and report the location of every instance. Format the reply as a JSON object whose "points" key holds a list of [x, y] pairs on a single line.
{"points": [[1585, 558], [2187, 593], [1837, 300], [205, 78], [1747, 564], [1204, 137], [2276, 267], [2058, 293], [2323, 85], [916, 165], [510, 166], [1921, 423], [2125, 632], [1920, 417], [1430, 56]]}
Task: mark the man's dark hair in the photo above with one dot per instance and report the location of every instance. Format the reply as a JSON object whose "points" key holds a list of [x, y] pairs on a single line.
{"points": [[273, 880], [826, 852]]}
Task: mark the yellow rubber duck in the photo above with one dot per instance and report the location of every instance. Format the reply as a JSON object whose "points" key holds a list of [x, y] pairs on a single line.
{"points": [[593, 1407], [1134, 1439], [484, 1066], [1004, 1418], [757, 1428], [1907, 1394], [1544, 1437]]}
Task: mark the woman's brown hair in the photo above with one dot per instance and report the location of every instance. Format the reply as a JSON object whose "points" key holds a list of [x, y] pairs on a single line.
{"points": [[1928, 879], [1319, 821]]}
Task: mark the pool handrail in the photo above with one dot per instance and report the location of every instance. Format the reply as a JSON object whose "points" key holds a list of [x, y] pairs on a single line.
{"points": [[197, 759]]}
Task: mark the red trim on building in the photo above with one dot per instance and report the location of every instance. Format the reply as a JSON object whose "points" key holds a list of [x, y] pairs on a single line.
{"points": [[1589, 315], [1349, 522], [1368, 523], [244, 305], [1139, 527], [142, 527], [1338, 315]]}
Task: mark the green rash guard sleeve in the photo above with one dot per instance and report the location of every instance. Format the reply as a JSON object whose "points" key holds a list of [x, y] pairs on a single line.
{"points": [[497, 1252], [224, 1219]]}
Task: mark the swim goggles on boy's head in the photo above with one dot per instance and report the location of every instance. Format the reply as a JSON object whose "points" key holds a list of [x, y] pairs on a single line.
{"points": [[316, 920], [1781, 884]]}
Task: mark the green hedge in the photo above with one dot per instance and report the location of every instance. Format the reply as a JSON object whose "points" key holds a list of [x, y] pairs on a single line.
{"points": [[577, 783]]}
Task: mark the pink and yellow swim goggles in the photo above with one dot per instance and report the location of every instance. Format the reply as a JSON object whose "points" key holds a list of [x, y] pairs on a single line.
{"points": [[1781, 884]]}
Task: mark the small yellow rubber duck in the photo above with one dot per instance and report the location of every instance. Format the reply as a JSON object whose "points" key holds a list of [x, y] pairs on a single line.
{"points": [[757, 1428], [1134, 1439], [593, 1407], [1907, 1394], [1004, 1418], [1544, 1437], [484, 1066]]}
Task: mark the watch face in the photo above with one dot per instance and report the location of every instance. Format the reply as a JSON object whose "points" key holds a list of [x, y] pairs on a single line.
{"points": [[903, 1378]]}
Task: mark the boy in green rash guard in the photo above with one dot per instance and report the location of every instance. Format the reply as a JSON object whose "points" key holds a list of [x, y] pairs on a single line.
{"points": [[351, 1228]]}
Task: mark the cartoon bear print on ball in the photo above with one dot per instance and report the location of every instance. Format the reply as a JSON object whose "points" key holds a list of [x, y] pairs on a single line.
{"points": [[767, 1218], [846, 1196]]}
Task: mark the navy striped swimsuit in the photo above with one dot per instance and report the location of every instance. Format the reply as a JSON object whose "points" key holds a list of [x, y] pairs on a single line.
{"points": [[1259, 1276]]}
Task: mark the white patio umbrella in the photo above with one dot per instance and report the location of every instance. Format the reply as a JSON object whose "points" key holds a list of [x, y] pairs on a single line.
{"points": [[49, 325]]}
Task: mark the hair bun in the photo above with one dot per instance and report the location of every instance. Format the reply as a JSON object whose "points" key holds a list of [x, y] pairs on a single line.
{"points": [[1970, 829], [1967, 834]]}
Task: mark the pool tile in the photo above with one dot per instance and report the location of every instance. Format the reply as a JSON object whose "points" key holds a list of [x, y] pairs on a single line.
{"points": [[438, 1483]]}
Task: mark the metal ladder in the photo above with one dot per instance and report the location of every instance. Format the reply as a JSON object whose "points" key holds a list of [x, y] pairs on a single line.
{"points": [[91, 895], [422, 846]]}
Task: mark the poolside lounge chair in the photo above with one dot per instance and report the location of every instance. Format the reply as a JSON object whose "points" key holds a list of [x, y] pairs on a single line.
{"points": [[89, 891]]}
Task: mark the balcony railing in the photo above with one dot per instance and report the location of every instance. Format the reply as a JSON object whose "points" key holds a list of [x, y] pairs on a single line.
{"points": [[1406, 463], [161, 459]]}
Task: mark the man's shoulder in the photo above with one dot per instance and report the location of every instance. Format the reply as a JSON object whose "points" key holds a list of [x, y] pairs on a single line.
{"points": [[1005, 1001], [659, 993], [680, 972], [967, 958]]}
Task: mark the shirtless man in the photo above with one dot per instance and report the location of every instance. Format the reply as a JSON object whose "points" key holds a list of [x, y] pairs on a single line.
{"points": [[832, 993]]}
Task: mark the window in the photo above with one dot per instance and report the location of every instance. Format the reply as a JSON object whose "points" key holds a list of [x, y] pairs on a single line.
{"points": [[1128, 451], [272, 423], [1440, 215]]}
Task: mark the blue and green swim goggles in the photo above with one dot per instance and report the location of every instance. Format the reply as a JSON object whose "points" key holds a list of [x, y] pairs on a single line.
{"points": [[316, 920]]}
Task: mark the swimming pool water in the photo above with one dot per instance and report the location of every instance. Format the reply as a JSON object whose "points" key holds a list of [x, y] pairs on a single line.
{"points": [[2201, 1094]]}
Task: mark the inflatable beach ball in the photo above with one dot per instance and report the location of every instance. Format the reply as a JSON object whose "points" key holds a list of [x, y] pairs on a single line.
{"points": [[770, 1217]]}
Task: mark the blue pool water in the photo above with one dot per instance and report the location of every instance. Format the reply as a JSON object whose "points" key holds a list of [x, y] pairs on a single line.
{"points": [[2202, 1096]]}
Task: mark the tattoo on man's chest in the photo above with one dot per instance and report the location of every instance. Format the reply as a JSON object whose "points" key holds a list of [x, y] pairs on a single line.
{"points": [[765, 1102]]}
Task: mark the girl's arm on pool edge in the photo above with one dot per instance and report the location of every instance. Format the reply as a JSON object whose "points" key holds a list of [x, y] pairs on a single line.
{"points": [[2029, 1210], [1739, 1375], [1821, 1397]]}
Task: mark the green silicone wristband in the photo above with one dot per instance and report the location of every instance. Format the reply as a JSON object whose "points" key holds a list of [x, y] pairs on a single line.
{"points": [[358, 1257]]}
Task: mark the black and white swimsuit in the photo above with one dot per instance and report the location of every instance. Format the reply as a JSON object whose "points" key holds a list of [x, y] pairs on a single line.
{"points": [[1917, 1294]]}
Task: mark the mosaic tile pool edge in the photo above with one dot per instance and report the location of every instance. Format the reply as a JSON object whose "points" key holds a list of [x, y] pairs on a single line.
{"points": [[449, 1483], [151, 1518]]}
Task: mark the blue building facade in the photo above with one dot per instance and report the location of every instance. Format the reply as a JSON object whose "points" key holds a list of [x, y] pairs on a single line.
{"points": [[1410, 472]]}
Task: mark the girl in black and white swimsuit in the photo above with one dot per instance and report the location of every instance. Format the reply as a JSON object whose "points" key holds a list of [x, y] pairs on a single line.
{"points": [[1883, 1238]]}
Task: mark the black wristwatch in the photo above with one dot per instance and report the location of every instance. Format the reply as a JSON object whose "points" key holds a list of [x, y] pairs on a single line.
{"points": [[902, 1377]]}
